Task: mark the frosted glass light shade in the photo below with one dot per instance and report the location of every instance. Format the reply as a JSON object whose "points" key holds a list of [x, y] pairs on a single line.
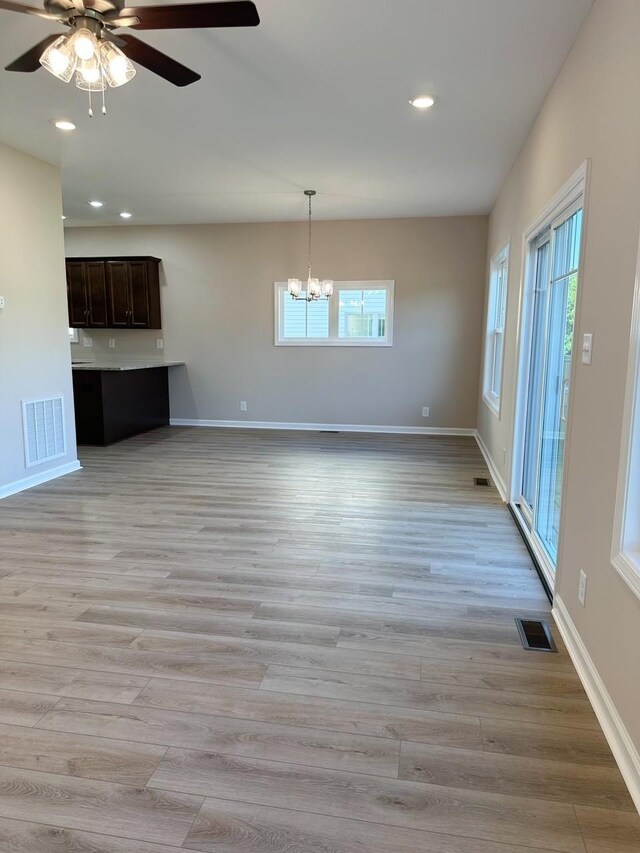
{"points": [[118, 70], [89, 77], [314, 288], [327, 287], [294, 287], [59, 60]]}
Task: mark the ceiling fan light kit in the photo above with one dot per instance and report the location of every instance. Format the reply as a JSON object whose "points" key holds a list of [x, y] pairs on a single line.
{"points": [[99, 58]]}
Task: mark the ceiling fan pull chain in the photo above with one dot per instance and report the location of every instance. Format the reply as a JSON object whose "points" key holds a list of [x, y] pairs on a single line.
{"points": [[104, 106], [90, 106]]}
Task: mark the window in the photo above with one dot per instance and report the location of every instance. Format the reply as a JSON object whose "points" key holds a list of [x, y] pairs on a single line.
{"points": [[360, 313], [494, 343], [625, 554]]}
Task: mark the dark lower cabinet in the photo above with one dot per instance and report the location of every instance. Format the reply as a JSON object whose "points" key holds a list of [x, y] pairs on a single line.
{"points": [[114, 404], [114, 293]]}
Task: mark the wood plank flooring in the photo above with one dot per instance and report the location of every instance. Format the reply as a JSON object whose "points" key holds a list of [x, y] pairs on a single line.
{"points": [[277, 642]]}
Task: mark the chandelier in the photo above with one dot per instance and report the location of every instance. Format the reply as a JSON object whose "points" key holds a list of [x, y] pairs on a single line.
{"points": [[315, 289], [95, 62]]}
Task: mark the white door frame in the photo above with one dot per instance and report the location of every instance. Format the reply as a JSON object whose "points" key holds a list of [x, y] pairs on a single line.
{"points": [[575, 188]]}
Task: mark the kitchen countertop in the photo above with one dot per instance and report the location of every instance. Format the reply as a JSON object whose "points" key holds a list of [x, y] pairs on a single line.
{"points": [[124, 364]]}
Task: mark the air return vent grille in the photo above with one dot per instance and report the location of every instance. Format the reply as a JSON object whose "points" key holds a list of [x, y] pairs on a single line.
{"points": [[535, 635], [43, 425], [481, 481]]}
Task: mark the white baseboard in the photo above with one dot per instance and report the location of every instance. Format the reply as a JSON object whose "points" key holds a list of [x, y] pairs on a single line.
{"points": [[38, 479], [623, 749], [404, 430], [496, 476]]}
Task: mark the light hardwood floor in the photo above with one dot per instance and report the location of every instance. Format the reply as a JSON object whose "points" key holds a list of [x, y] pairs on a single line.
{"points": [[262, 642]]}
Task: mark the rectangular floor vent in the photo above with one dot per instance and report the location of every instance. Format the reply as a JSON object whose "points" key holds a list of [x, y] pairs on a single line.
{"points": [[481, 481], [535, 635], [43, 426]]}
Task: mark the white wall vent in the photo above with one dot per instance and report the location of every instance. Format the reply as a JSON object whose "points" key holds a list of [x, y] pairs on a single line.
{"points": [[43, 425]]}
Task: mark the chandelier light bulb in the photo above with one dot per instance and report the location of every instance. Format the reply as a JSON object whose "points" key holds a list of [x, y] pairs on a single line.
{"points": [[327, 287], [84, 43], [91, 73], [313, 288], [59, 59], [117, 69]]}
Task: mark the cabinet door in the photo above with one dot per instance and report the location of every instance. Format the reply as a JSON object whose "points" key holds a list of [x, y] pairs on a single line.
{"points": [[139, 317], [76, 294], [118, 291], [96, 290]]}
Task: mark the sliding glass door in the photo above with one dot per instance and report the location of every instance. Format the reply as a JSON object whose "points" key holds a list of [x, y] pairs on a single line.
{"points": [[553, 261]]}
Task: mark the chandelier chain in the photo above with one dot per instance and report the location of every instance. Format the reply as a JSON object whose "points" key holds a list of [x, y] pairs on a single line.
{"points": [[309, 236]]}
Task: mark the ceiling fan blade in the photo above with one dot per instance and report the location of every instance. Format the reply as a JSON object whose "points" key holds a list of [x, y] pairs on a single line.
{"points": [[232, 13], [30, 61], [27, 10], [124, 22], [156, 61]]}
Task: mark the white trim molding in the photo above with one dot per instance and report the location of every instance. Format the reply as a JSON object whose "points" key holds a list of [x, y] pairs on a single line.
{"points": [[496, 476], [618, 738], [39, 478], [372, 428], [625, 547]]}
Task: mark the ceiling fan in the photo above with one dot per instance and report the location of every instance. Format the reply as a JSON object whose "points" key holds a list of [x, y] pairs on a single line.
{"points": [[99, 57]]}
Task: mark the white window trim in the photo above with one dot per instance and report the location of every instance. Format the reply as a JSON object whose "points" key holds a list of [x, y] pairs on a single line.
{"points": [[625, 559], [494, 401], [335, 341]]}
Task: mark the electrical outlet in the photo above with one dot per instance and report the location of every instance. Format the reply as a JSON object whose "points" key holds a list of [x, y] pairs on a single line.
{"points": [[582, 588], [87, 341], [112, 343], [159, 343], [425, 411], [243, 405]]}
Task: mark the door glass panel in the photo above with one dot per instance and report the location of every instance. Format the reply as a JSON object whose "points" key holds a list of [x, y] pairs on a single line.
{"points": [[532, 420], [556, 382]]}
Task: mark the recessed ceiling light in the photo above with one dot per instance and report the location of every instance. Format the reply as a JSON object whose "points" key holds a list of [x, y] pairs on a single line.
{"points": [[65, 125], [126, 215], [423, 102], [95, 203]]}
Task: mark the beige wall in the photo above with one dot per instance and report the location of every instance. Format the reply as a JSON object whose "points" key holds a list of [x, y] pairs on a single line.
{"points": [[592, 112], [34, 349], [217, 304]]}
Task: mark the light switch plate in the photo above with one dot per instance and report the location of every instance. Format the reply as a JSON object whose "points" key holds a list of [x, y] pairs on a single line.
{"points": [[582, 588], [587, 347], [87, 341], [159, 343]]}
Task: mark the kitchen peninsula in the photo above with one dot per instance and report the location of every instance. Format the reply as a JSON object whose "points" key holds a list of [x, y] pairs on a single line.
{"points": [[115, 399]]}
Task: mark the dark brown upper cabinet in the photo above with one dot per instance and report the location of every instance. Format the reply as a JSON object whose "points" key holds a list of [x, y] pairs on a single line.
{"points": [[114, 293], [87, 294]]}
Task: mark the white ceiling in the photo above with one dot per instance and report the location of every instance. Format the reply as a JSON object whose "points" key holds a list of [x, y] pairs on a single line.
{"points": [[316, 96]]}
